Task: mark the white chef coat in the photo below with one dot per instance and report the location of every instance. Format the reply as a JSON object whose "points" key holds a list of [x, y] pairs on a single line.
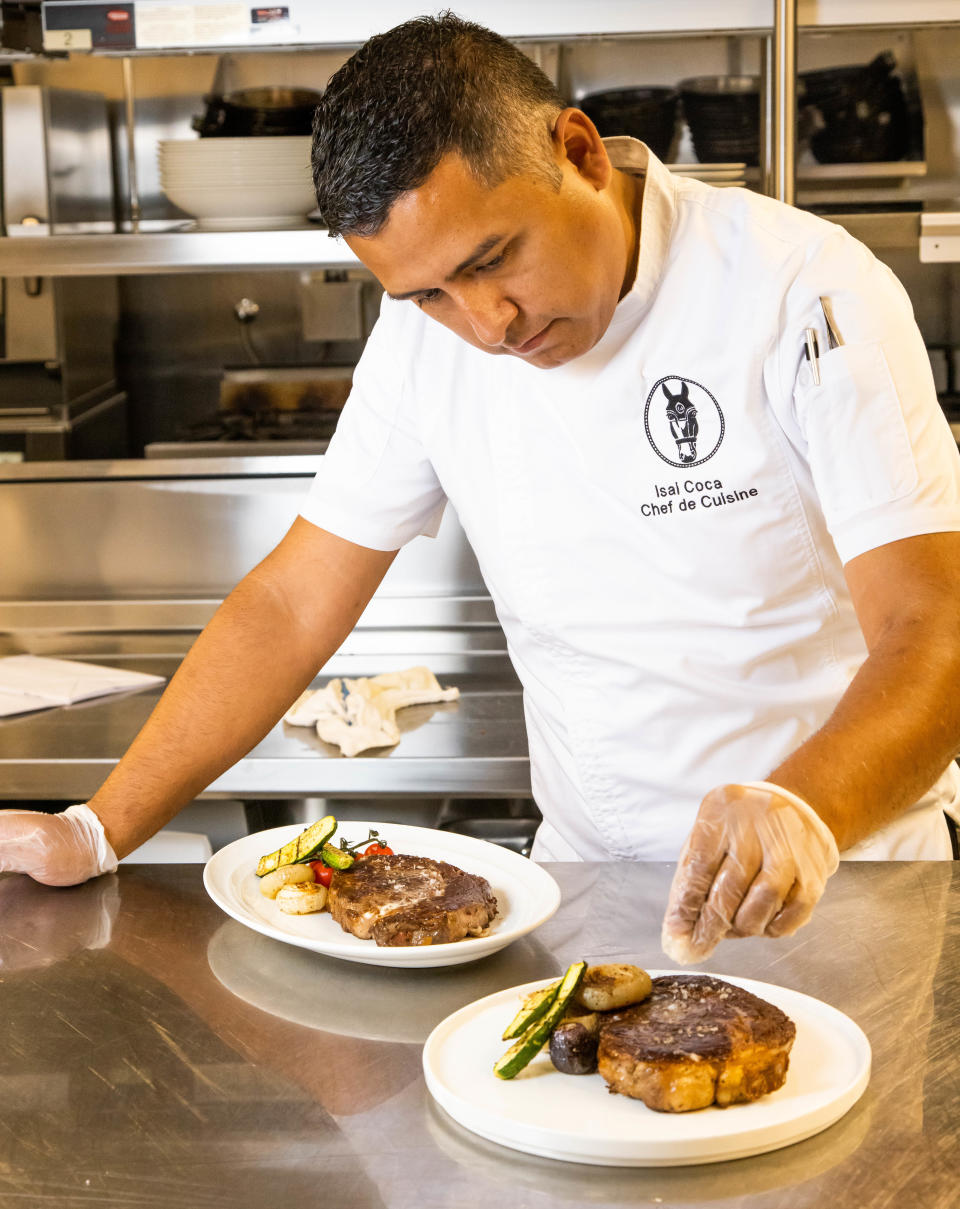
{"points": [[674, 604]]}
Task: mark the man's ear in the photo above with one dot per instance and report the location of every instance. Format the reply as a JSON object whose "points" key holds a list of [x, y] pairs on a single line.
{"points": [[575, 139]]}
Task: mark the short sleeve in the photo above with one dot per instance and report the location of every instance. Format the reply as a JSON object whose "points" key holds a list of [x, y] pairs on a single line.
{"points": [[883, 460], [376, 485]]}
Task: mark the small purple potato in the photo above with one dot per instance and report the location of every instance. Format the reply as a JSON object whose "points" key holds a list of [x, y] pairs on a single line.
{"points": [[573, 1046]]}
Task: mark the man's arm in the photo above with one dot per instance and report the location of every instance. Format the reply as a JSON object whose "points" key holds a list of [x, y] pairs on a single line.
{"points": [[898, 724], [260, 650], [756, 863]]}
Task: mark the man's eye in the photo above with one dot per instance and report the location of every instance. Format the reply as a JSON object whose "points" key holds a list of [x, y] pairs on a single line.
{"points": [[427, 296], [492, 264]]}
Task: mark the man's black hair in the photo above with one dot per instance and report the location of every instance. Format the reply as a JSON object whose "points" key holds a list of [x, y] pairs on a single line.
{"points": [[429, 87]]}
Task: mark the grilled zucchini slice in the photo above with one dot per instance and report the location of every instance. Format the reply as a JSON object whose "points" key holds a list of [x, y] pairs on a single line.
{"points": [[533, 1008], [302, 848], [536, 1036], [335, 857]]}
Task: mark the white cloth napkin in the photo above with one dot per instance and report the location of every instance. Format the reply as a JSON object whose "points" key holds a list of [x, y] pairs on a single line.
{"points": [[31, 682], [359, 714]]}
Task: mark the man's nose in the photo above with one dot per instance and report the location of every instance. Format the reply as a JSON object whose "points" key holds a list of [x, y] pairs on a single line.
{"points": [[488, 311]]}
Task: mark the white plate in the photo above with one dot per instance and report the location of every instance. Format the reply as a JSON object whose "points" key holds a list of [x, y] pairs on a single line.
{"points": [[526, 894], [575, 1118], [255, 222], [206, 148]]}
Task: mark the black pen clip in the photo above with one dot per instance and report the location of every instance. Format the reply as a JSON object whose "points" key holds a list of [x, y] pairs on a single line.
{"points": [[811, 351]]}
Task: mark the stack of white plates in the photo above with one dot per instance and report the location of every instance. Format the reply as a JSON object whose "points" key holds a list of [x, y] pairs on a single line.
{"points": [[240, 182], [722, 175]]}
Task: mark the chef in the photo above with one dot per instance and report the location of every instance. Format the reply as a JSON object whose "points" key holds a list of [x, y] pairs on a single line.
{"points": [[693, 438]]}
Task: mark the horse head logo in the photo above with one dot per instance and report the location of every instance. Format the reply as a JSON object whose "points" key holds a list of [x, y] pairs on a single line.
{"points": [[682, 414]]}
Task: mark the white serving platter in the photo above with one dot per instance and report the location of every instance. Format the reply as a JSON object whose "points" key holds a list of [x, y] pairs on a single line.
{"points": [[577, 1120], [526, 894]]}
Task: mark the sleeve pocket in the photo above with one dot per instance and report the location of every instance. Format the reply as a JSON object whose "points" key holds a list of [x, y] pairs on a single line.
{"points": [[859, 449]]}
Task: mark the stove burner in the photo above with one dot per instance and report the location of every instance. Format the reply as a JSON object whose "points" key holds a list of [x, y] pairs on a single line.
{"points": [[269, 424]]}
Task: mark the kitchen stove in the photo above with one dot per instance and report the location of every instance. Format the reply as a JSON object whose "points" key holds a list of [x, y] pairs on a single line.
{"points": [[239, 433], [265, 410]]}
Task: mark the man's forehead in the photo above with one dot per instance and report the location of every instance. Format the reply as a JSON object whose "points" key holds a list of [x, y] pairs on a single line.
{"points": [[442, 227]]}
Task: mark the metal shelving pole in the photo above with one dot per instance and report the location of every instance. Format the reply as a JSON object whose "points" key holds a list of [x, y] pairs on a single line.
{"points": [[784, 117], [130, 117]]}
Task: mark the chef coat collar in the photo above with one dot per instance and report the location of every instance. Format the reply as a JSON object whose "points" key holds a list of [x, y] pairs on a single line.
{"points": [[657, 213]]}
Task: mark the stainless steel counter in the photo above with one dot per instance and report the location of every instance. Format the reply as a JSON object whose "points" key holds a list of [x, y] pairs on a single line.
{"points": [[156, 1053]]}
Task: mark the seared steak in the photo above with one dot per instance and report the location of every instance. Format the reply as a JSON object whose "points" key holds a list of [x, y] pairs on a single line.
{"points": [[695, 1041], [410, 900]]}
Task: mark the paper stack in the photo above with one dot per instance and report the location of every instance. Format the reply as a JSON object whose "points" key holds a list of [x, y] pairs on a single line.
{"points": [[32, 682]]}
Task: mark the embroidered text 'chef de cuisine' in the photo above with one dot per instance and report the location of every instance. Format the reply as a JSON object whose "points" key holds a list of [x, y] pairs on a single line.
{"points": [[691, 494]]}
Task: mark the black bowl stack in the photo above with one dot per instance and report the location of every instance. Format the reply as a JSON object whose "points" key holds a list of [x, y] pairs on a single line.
{"points": [[861, 112], [648, 114], [723, 113]]}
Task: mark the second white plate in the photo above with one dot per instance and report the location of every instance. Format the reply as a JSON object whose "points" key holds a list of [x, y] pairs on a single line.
{"points": [[526, 894], [576, 1119]]}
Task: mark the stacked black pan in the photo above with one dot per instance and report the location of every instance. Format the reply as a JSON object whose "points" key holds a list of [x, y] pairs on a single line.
{"points": [[251, 112], [648, 114], [723, 113], [860, 112], [855, 114]]}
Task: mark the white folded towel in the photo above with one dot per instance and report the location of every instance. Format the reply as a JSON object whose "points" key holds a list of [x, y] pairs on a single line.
{"points": [[361, 713], [31, 682]]}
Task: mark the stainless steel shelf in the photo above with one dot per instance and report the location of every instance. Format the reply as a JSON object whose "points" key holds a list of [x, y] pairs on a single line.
{"points": [[182, 251], [475, 746], [881, 230], [222, 251], [205, 25], [833, 14]]}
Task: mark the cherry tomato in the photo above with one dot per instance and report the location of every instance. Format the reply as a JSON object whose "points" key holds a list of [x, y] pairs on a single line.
{"points": [[378, 849], [323, 873]]}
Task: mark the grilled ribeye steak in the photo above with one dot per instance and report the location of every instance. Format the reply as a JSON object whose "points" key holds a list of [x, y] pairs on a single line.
{"points": [[396, 899], [695, 1041]]}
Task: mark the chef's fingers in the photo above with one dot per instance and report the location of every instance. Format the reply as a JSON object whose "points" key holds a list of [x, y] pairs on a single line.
{"points": [[691, 884], [732, 882], [704, 853], [764, 899], [55, 849], [796, 910], [24, 840]]}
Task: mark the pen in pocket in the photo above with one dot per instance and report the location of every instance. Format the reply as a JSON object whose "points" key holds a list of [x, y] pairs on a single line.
{"points": [[833, 336], [812, 352]]}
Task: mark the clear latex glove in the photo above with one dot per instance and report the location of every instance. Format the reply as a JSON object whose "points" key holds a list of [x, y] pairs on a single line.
{"points": [[755, 863], [56, 849]]}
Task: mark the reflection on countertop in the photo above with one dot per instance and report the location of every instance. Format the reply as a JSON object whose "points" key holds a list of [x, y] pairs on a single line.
{"points": [[155, 1053]]}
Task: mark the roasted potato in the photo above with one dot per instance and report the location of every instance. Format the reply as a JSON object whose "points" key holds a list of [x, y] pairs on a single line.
{"points": [[286, 875], [302, 898], [607, 987]]}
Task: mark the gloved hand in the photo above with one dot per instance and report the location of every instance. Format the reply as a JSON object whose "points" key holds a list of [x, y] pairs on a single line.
{"points": [[56, 849], [755, 863]]}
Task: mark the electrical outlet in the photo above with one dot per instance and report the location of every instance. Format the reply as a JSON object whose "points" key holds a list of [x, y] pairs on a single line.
{"points": [[331, 310]]}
